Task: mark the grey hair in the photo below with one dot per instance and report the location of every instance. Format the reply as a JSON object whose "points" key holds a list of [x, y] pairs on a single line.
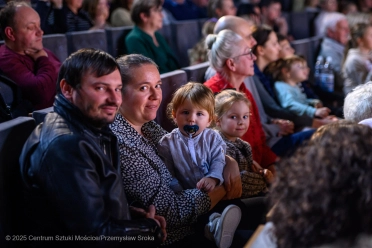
{"points": [[358, 103], [331, 20], [222, 46]]}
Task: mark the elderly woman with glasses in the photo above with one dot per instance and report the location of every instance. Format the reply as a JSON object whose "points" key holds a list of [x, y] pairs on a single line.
{"points": [[233, 60], [144, 38]]}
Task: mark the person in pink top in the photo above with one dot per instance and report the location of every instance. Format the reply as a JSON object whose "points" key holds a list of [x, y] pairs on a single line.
{"points": [[23, 58]]}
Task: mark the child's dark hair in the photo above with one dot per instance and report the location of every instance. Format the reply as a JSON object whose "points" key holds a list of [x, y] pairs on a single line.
{"points": [[199, 95], [275, 68]]}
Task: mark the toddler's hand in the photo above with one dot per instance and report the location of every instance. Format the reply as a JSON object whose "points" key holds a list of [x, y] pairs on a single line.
{"points": [[207, 184]]}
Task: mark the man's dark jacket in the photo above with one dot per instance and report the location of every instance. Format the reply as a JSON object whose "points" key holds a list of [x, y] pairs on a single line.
{"points": [[72, 185]]}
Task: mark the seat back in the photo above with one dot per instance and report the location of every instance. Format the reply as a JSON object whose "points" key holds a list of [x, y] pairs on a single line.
{"points": [[13, 135], [171, 82], [12, 96], [185, 35], [300, 25], [57, 44], [39, 115], [86, 39], [166, 32], [303, 47], [116, 40], [195, 73]]}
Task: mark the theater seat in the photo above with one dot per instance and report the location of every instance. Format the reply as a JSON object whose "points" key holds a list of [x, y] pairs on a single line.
{"points": [[116, 40], [185, 35], [195, 73], [57, 44], [13, 134], [171, 82], [39, 115], [86, 39]]}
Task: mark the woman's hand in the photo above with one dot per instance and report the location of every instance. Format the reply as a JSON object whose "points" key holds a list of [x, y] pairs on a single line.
{"points": [[233, 182], [322, 112], [139, 212], [256, 167], [268, 176], [286, 126]]}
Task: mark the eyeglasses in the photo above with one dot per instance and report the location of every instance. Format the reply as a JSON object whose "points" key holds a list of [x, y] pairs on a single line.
{"points": [[249, 53]]}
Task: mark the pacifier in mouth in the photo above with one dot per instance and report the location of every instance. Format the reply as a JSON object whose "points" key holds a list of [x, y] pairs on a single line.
{"points": [[191, 129]]}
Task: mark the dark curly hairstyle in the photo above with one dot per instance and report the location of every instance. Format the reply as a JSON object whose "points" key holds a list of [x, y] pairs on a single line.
{"points": [[323, 193]]}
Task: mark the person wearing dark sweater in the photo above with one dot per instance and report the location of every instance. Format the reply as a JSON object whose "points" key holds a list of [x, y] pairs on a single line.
{"points": [[144, 38], [64, 16], [24, 60], [187, 9]]}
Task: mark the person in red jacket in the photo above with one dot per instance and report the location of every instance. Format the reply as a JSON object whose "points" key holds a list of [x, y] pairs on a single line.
{"points": [[23, 58], [233, 60]]}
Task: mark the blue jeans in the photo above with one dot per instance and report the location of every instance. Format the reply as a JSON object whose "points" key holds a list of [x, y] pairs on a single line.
{"points": [[288, 144]]}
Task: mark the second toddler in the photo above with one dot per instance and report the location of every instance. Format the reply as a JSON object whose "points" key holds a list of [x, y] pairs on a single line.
{"points": [[232, 121], [195, 155]]}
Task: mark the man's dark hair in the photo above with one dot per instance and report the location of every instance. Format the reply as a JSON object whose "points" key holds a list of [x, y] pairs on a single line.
{"points": [[267, 3], [87, 60], [7, 15]]}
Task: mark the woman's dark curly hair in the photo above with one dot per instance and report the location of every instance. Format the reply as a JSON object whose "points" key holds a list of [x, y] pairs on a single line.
{"points": [[323, 193]]}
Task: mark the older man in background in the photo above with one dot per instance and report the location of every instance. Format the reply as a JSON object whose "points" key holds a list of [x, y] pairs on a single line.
{"points": [[23, 57]]}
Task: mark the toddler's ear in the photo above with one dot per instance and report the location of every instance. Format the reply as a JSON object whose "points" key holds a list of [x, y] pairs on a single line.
{"points": [[217, 121]]}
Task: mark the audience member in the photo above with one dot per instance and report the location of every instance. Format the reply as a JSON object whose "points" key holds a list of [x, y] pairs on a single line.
{"points": [[67, 16], [70, 163], [144, 38], [311, 6], [199, 53], [232, 58], [271, 16], [327, 7], [267, 51], [288, 73], [359, 17], [98, 11], [120, 15], [195, 154], [232, 122], [333, 44], [322, 196], [24, 60], [358, 63], [145, 176], [348, 7], [237, 54], [274, 128], [250, 12], [364, 6], [219, 8], [358, 103], [187, 9]]}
